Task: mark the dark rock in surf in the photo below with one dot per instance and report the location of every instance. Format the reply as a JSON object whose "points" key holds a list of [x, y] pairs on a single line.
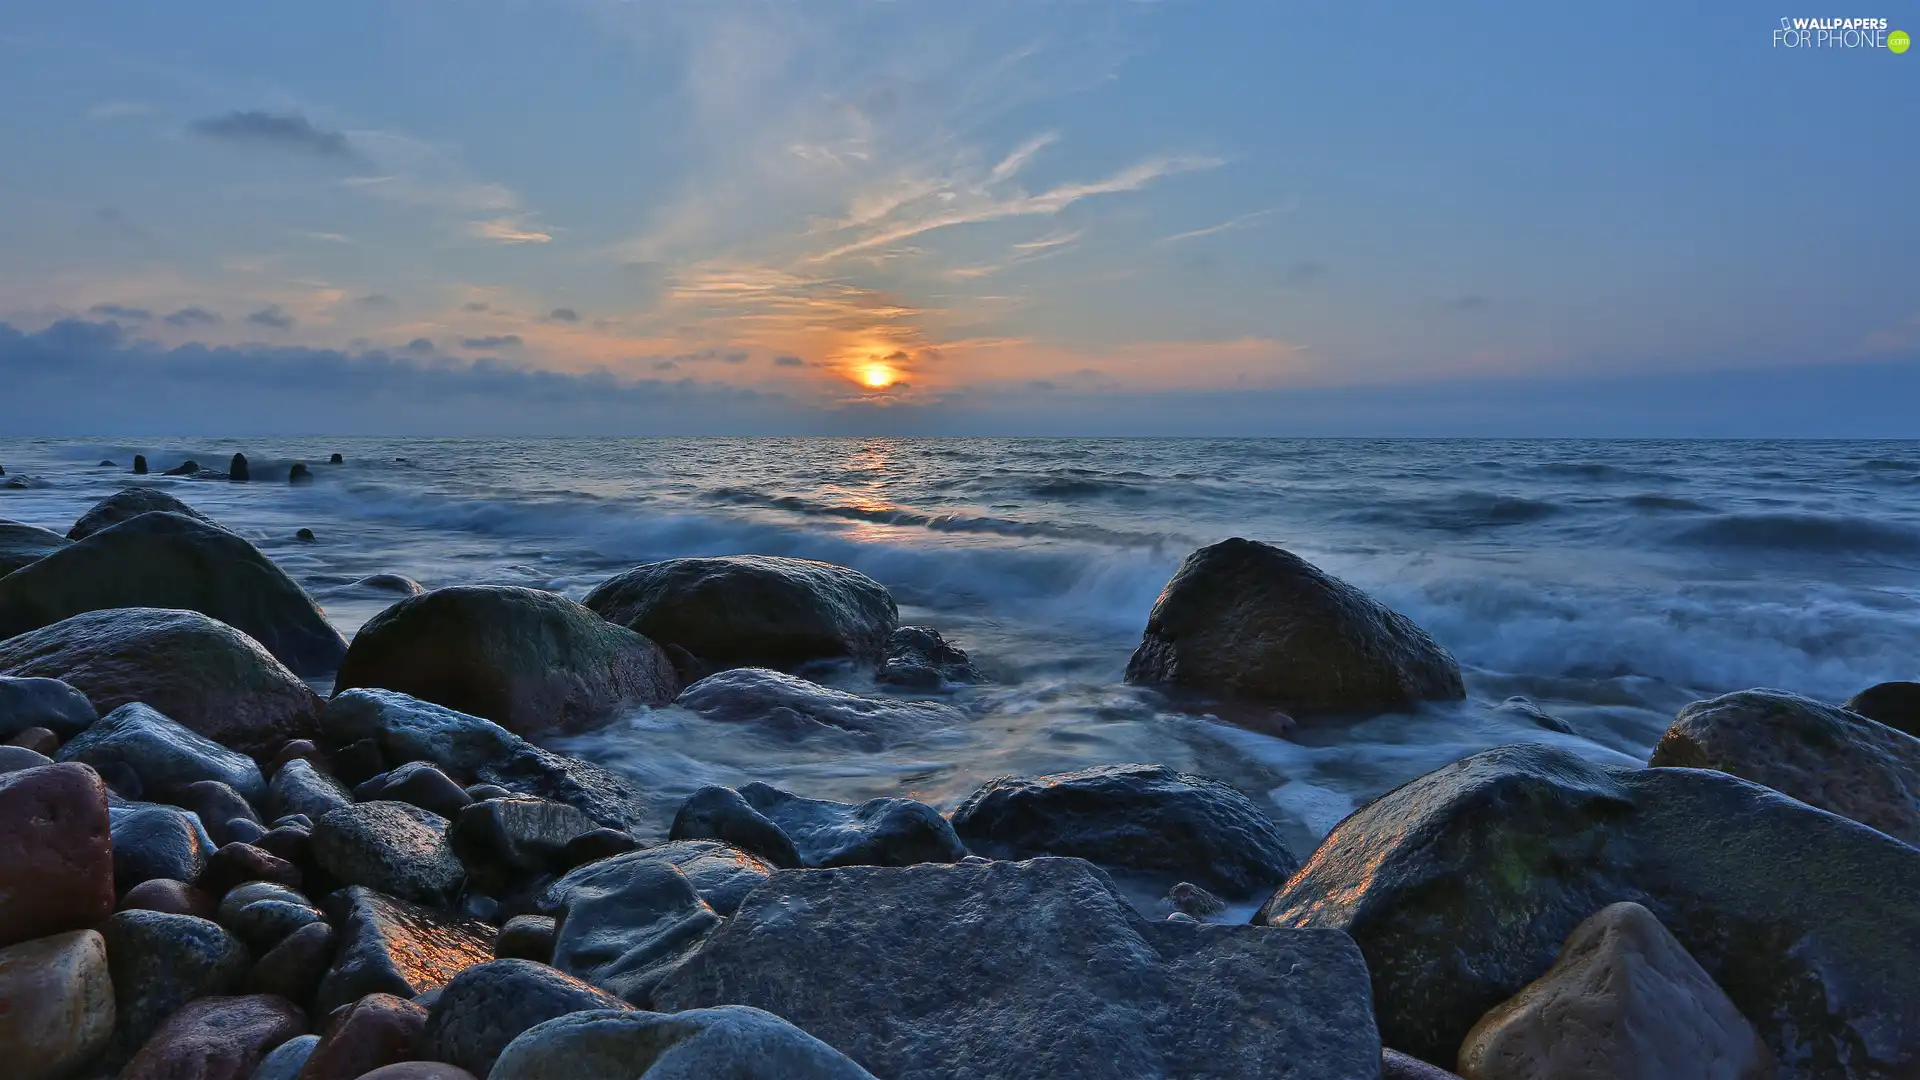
{"points": [[1820, 754], [185, 468], [107, 463], [43, 703], [237, 469], [299, 474], [139, 464], [1144, 818], [488, 1005], [1520, 708], [153, 842], [918, 658], [163, 755], [1895, 704], [418, 783], [389, 946], [204, 674], [746, 610], [336, 459], [1031, 969], [878, 832], [795, 707], [127, 504], [1252, 622], [305, 536], [1460, 887], [528, 660], [167, 560], [721, 813], [391, 847], [22, 545], [160, 962]]}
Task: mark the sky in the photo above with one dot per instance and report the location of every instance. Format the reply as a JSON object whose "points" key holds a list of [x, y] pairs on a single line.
{"points": [[552, 217]]}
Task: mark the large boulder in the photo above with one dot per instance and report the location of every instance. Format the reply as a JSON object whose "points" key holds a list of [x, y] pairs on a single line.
{"points": [[217, 1038], [127, 504], [1895, 704], [530, 661], [1255, 623], [629, 926], [878, 832], [392, 848], [1035, 968], [796, 708], [56, 1004], [43, 703], [21, 544], [204, 674], [918, 658], [731, 1041], [161, 755], [408, 729], [1817, 753], [1144, 818], [166, 560], [488, 1005], [389, 946], [1623, 1002], [752, 610], [56, 857], [159, 962], [1460, 886]]}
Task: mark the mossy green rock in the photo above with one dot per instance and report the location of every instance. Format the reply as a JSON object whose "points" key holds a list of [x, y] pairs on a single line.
{"points": [[1461, 885]]}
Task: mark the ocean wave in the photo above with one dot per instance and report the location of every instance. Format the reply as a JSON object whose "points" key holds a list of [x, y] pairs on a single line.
{"points": [[947, 523], [1464, 512], [1890, 465], [1655, 501], [1812, 533]]}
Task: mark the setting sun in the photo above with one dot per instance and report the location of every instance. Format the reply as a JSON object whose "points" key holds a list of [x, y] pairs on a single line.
{"points": [[877, 376]]}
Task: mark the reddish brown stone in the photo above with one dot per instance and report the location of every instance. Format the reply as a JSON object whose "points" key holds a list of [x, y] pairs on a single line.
{"points": [[216, 1038], [172, 897], [37, 739], [377, 1030], [56, 858], [236, 863]]}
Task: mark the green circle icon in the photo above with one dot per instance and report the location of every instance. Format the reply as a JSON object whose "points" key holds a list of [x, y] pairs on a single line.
{"points": [[1898, 41]]}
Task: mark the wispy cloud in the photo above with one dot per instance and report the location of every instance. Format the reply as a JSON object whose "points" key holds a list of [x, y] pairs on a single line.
{"points": [[1232, 224], [272, 317], [121, 311], [507, 231], [493, 341], [193, 316], [288, 131]]}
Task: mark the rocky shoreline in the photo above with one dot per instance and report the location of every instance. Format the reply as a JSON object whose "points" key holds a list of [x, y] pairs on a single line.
{"points": [[208, 870]]}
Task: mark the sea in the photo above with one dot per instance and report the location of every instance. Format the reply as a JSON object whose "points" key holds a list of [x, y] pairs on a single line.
{"points": [[1607, 582]]}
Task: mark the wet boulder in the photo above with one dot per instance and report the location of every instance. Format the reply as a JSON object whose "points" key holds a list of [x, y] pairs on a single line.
{"points": [[1623, 1001], [159, 962], [1035, 968], [1822, 755], [299, 473], [488, 1005], [169, 560], [43, 703], [238, 470], [21, 544], [1251, 622], [58, 1004], [294, 967], [504, 841], [605, 796], [1895, 704], [264, 924], [419, 783], [170, 896], [56, 858], [730, 1041], [204, 674], [217, 1038], [530, 661], [408, 729], [284, 1062], [1461, 885], [752, 610], [721, 813], [299, 788], [878, 832], [224, 812], [139, 464], [127, 504], [526, 937], [795, 707], [153, 842], [918, 658], [391, 847], [1144, 818], [162, 755], [376, 1030], [389, 946]]}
